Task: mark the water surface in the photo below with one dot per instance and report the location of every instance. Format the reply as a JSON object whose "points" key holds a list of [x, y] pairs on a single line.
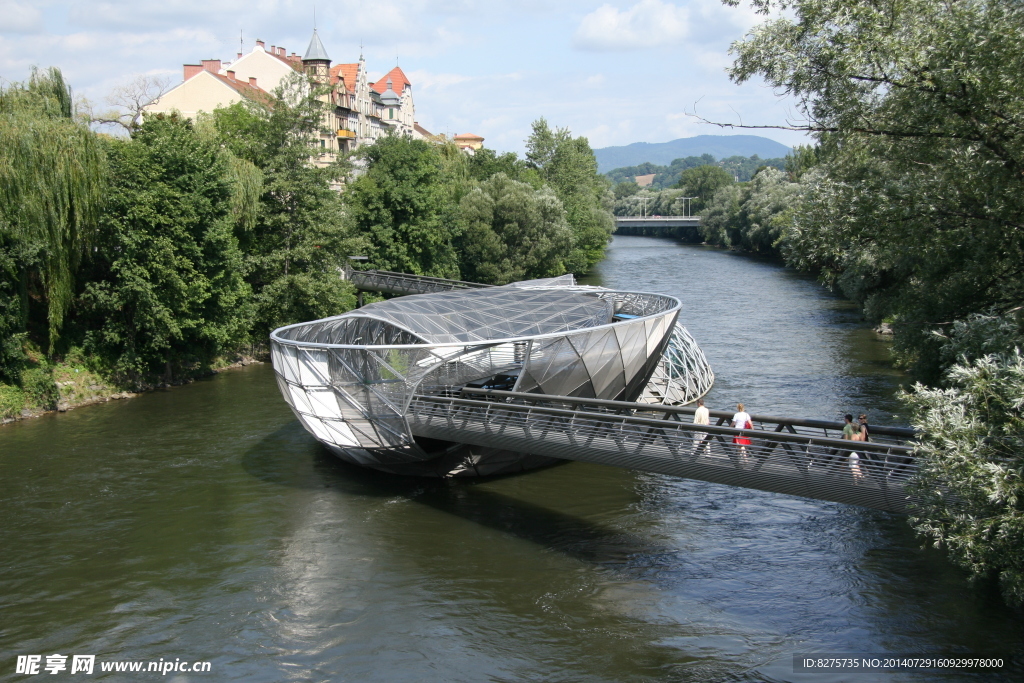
{"points": [[203, 523]]}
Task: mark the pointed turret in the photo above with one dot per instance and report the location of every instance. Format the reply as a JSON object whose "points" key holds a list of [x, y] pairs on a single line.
{"points": [[316, 50], [316, 62]]}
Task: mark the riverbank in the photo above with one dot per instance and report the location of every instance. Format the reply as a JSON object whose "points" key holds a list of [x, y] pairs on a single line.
{"points": [[67, 386]]}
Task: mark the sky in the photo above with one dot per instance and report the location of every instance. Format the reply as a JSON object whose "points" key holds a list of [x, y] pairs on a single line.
{"points": [[616, 72]]}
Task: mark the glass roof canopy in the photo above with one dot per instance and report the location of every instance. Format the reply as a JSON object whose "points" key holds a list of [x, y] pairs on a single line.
{"points": [[491, 314]]}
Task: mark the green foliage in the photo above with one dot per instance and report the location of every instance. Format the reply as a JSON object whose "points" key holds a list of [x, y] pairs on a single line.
{"points": [[485, 163], [701, 183], [13, 261], [165, 287], [627, 188], [980, 335], [651, 203], [738, 167], [803, 159], [917, 104], [568, 165], [972, 468], [399, 206], [12, 400], [38, 387], [303, 296], [914, 208], [51, 186], [294, 238], [720, 223], [513, 232], [754, 215]]}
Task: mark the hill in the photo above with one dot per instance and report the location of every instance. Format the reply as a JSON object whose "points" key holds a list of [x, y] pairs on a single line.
{"points": [[663, 153]]}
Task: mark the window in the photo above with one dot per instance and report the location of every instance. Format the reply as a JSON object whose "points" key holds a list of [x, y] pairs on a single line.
{"points": [[391, 113], [323, 143]]}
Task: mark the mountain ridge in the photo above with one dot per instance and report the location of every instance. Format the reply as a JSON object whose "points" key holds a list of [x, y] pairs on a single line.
{"points": [[663, 153]]}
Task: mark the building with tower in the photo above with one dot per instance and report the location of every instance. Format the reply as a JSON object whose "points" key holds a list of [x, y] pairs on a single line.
{"points": [[358, 113]]}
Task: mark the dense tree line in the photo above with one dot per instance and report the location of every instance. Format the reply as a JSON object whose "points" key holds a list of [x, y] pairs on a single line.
{"points": [[912, 203], [148, 258], [430, 209], [740, 168]]}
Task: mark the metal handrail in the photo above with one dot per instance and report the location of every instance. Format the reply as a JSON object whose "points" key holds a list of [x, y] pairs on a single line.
{"points": [[901, 433], [798, 464]]}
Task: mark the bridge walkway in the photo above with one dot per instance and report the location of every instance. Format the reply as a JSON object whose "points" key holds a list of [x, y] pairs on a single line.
{"points": [[400, 284], [800, 461]]}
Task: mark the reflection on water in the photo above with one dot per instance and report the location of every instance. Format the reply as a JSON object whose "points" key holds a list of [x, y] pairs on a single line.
{"points": [[203, 523]]}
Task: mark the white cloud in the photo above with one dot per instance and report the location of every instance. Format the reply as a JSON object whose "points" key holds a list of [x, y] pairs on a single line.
{"points": [[649, 23], [19, 17]]}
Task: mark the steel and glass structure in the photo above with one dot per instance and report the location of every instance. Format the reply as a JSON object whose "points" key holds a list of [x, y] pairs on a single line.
{"points": [[352, 379]]}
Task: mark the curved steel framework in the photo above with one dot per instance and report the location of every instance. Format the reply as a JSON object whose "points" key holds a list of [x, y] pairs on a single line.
{"points": [[351, 379]]}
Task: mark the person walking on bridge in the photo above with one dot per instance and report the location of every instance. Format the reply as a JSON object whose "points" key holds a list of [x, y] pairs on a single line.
{"points": [[849, 430], [701, 416], [741, 420]]}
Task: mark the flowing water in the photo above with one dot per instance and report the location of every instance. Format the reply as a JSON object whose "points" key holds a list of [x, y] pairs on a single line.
{"points": [[202, 523]]}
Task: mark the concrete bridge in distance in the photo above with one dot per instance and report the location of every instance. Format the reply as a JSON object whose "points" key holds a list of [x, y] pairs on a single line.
{"points": [[683, 227]]}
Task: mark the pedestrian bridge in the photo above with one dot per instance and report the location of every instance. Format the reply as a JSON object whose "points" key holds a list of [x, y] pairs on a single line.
{"points": [[794, 456]]}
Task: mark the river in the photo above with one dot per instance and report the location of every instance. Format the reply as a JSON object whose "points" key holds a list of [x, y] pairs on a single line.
{"points": [[202, 523]]}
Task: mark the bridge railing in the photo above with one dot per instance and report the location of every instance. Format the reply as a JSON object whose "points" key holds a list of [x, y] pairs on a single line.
{"points": [[806, 427], [868, 474], [391, 282]]}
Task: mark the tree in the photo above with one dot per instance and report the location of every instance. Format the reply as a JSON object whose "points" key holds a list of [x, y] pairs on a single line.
{"points": [[569, 166], [129, 101], [513, 232], [165, 289], [771, 201], [971, 455], [296, 242], [803, 159], [52, 174], [919, 210], [627, 188], [702, 182], [403, 209], [915, 209], [720, 223]]}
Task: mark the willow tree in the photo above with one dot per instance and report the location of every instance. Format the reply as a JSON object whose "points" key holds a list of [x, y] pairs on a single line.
{"points": [[51, 185]]}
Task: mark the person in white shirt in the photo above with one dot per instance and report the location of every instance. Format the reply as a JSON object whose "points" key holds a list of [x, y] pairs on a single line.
{"points": [[701, 416], [741, 420]]}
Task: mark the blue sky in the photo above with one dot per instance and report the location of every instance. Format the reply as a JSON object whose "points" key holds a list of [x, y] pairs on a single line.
{"points": [[617, 72]]}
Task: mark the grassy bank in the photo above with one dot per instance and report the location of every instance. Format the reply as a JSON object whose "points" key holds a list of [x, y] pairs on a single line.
{"points": [[76, 382]]}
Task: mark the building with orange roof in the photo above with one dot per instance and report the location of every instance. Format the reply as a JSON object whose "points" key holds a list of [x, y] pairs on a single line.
{"points": [[359, 112], [468, 141], [395, 92]]}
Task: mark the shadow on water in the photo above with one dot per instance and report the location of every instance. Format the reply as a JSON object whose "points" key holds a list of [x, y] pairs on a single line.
{"points": [[291, 457]]}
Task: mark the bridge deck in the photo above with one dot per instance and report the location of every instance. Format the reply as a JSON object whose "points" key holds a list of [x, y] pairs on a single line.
{"points": [[798, 464]]}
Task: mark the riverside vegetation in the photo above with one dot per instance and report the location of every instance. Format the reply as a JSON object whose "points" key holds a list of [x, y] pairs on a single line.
{"points": [[130, 262], [911, 203]]}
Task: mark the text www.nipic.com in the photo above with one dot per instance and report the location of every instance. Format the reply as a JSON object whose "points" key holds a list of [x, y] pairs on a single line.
{"points": [[56, 663], [163, 667]]}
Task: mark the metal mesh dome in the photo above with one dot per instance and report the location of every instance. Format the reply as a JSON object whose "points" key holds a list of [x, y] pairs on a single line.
{"points": [[488, 314]]}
